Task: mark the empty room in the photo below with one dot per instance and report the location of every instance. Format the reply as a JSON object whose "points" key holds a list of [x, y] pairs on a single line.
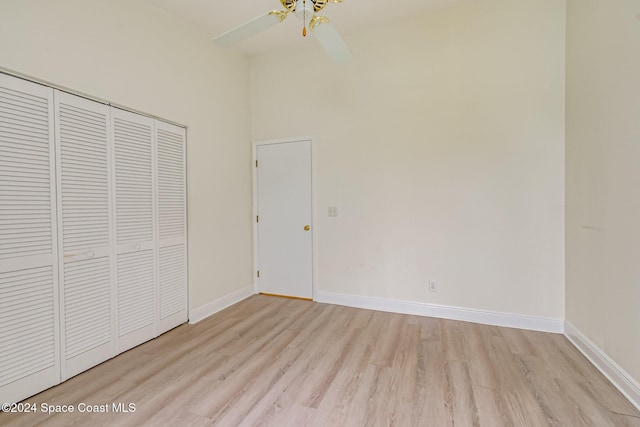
{"points": [[319, 213]]}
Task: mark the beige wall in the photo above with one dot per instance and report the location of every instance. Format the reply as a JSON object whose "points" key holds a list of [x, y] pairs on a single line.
{"points": [[603, 176], [441, 144], [135, 55]]}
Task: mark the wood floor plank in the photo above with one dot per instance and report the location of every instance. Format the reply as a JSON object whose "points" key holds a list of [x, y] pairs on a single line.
{"points": [[176, 396], [340, 399], [461, 400], [270, 361], [236, 384], [523, 410], [519, 341], [492, 407], [481, 363], [387, 339], [430, 408], [625, 420], [453, 340]]}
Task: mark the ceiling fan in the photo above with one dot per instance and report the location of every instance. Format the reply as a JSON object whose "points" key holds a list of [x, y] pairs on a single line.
{"points": [[306, 10]]}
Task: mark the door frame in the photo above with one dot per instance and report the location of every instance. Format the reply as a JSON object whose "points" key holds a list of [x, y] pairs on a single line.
{"points": [[314, 249]]}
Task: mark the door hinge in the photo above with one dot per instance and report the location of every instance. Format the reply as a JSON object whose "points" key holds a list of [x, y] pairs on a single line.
{"points": [[257, 218], [258, 274], [256, 163]]}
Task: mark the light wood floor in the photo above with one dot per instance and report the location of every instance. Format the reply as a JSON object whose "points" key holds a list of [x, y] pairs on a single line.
{"points": [[281, 362]]}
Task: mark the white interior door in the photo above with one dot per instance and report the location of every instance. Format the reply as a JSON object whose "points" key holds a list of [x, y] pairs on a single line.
{"points": [[284, 235], [29, 338]]}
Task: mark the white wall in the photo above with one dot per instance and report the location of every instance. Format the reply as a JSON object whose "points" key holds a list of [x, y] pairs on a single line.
{"points": [[603, 176], [441, 144], [135, 55]]}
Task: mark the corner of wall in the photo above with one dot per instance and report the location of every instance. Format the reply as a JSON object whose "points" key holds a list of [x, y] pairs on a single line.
{"points": [[198, 314], [623, 381]]}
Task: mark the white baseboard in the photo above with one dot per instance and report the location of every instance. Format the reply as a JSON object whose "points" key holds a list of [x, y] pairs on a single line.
{"points": [[204, 311], [444, 312], [610, 369]]}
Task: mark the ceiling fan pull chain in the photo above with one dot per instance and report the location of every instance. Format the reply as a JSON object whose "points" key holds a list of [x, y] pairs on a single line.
{"points": [[304, 18]]}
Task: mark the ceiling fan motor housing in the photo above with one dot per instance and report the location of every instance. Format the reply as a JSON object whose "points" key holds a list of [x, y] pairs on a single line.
{"points": [[317, 5]]}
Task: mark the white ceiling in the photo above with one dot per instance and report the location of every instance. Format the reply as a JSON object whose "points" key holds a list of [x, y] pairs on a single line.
{"points": [[217, 16]]}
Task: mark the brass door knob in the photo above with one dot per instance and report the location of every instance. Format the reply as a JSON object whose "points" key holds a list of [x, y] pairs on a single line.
{"points": [[307, 228]]}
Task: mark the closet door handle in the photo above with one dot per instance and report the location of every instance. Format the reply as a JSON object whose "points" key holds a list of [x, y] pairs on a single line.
{"points": [[90, 254], [138, 247]]}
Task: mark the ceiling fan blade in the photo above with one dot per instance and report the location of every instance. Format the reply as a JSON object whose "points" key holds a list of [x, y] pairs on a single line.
{"points": [[250, 28], [330, 39]]}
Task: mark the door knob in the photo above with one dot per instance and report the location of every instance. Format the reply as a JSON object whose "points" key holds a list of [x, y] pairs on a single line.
{"points": [[307, 228]]}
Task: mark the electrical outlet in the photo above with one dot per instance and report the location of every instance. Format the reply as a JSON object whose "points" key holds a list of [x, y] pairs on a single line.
{"points": [[333, 211], [433, 286]]}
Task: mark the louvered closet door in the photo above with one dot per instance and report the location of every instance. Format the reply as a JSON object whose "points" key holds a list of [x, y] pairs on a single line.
{"points": [[172, 223], [134, 225], [29, 359], [82, 135]]}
